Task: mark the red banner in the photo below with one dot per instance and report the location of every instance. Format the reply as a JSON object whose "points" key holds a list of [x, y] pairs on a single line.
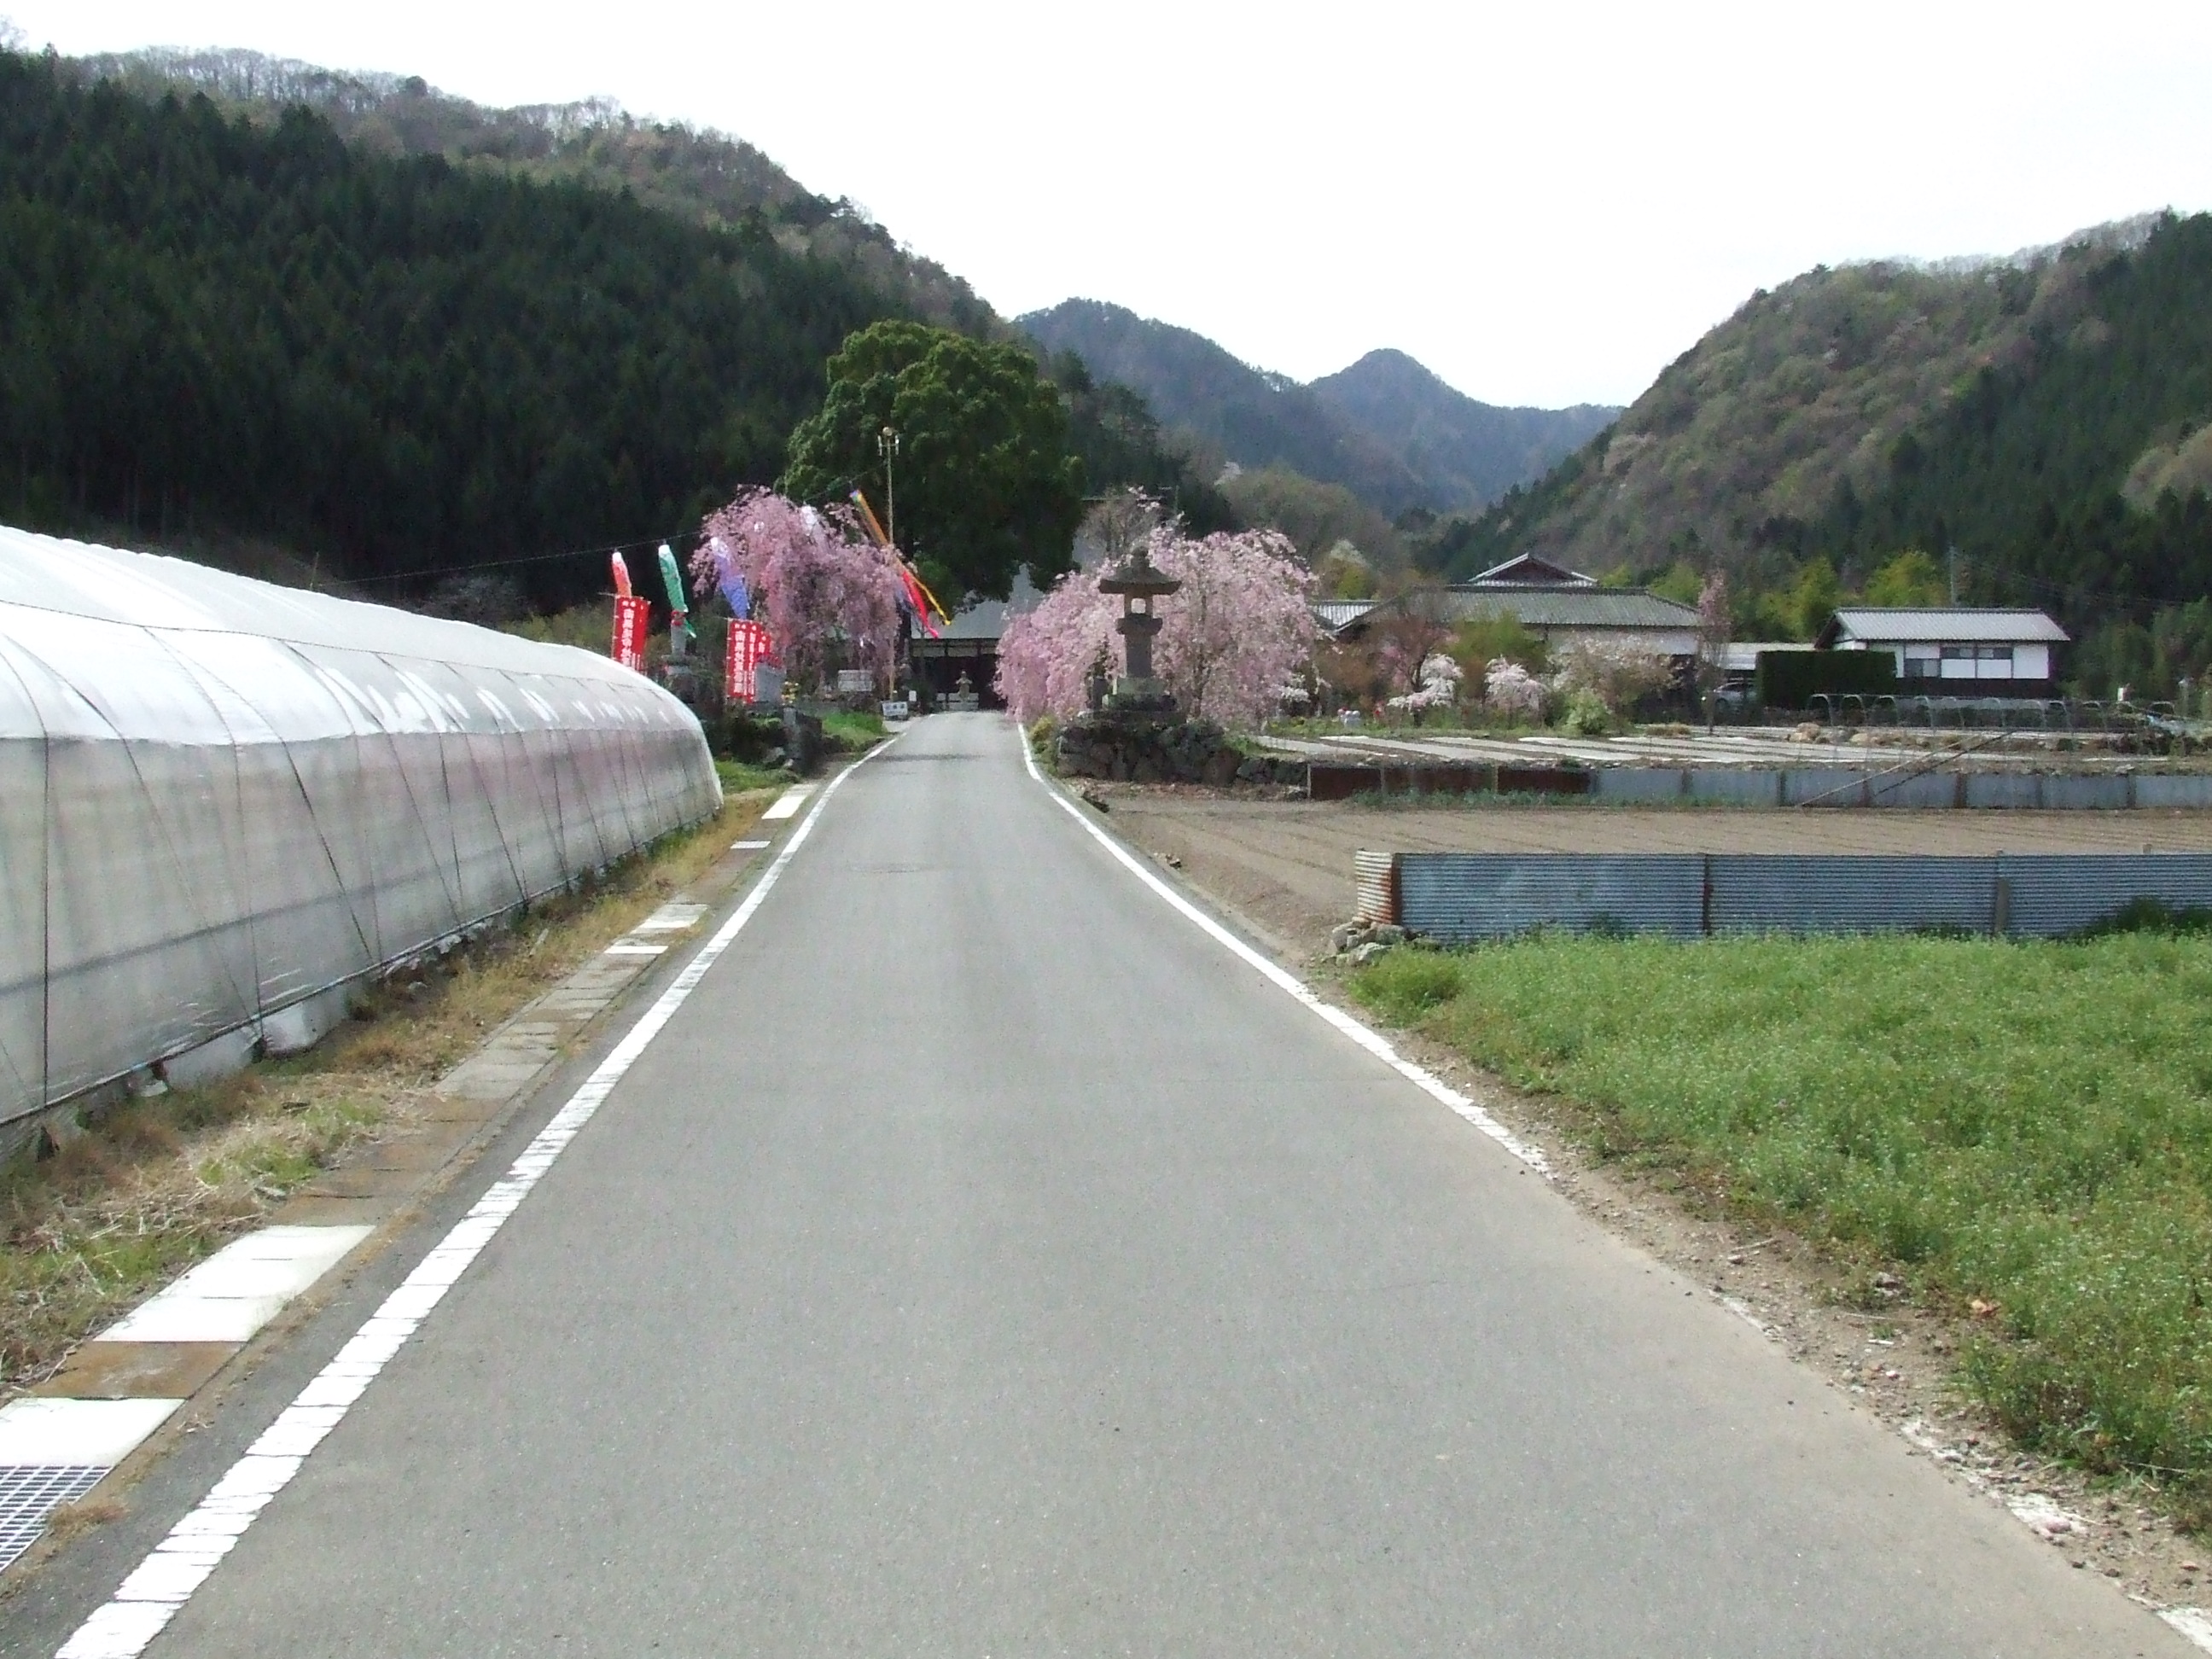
{"points": [[749, 647], [633, 620]]}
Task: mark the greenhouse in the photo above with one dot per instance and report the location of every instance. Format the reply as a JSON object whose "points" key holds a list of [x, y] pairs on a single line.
{"points": [[224, 802]]}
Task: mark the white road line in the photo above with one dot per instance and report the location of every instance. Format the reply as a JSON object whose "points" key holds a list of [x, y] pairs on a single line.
{"points": [[2192, 1622], [180, 1563], [1435, 1087]]}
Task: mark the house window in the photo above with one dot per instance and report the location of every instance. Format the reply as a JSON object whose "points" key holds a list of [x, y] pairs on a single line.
{"points": [[1922, 663], [1994, 653]]}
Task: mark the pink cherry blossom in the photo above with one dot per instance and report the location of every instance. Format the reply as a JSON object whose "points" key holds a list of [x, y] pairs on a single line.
{"points": [[1436, 686], [1235, 633], [1511, 691], [1045, 654], [1714, 622], [819, 584]]}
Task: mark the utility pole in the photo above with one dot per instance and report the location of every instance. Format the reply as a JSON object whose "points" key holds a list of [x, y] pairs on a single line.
{"points": [[1952, 559], [887, 446]]}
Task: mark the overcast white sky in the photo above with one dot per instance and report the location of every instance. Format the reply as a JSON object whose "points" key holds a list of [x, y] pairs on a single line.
{"points": [[1544, 203]]}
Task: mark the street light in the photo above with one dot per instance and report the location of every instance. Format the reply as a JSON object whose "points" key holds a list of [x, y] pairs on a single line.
{"points": [[887, 446]]}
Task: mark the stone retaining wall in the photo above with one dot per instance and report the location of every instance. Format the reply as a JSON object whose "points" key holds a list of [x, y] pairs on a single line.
{"points": [[1141, 746]]}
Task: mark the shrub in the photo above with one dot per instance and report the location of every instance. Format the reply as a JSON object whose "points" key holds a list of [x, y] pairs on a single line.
{"points": [[745, 737], [1586, 714]]}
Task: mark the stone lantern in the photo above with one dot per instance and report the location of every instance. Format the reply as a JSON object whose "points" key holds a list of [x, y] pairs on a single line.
{"points": [[1139, 582]]}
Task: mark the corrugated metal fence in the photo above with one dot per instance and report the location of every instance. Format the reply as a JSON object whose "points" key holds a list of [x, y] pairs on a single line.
{"points": [[1456, 896], [1845, 786], [1807, 786]]}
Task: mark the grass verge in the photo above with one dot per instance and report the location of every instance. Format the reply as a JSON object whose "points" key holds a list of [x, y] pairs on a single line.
{"points": [[853, 730], [740, 778], [120, 1210], [2021, 1130]]}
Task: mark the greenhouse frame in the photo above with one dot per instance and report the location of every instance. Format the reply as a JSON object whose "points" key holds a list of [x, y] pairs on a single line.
{"points": [[224, 802]]}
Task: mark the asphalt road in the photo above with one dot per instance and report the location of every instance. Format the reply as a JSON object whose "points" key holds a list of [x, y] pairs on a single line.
{"points": [[985, 1262]]}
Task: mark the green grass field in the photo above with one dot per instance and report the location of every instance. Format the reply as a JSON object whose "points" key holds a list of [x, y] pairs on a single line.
{"points": [[2026, 1125]]}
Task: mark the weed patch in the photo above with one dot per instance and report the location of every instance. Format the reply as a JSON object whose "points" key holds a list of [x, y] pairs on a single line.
{"points": [[129, 1205], [741, 778], [2021, 1131]]}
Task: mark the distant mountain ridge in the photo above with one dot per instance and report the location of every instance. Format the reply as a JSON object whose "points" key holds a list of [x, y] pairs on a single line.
{"points": [[1470, 451], [1386, 428]]}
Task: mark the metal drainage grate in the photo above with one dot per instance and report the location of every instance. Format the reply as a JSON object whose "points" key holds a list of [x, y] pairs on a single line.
{"points": [[29, 1493]]}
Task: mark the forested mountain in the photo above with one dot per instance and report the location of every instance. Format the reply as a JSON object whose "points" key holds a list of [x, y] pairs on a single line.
{"points": [[462, 341], [2076, 471], [700, 175], [1466, 453], [2045, 416], [403, 365], [1385, 428]]}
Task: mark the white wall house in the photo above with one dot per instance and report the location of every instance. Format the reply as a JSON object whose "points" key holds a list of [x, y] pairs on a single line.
{"points": [[1952, 651]]}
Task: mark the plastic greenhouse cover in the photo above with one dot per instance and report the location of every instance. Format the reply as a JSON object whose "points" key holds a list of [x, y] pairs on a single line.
{"points": [[219, 797]]}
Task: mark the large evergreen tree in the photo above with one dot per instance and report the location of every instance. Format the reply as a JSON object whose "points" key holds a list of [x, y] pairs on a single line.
{"points": [[987, 478]]}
